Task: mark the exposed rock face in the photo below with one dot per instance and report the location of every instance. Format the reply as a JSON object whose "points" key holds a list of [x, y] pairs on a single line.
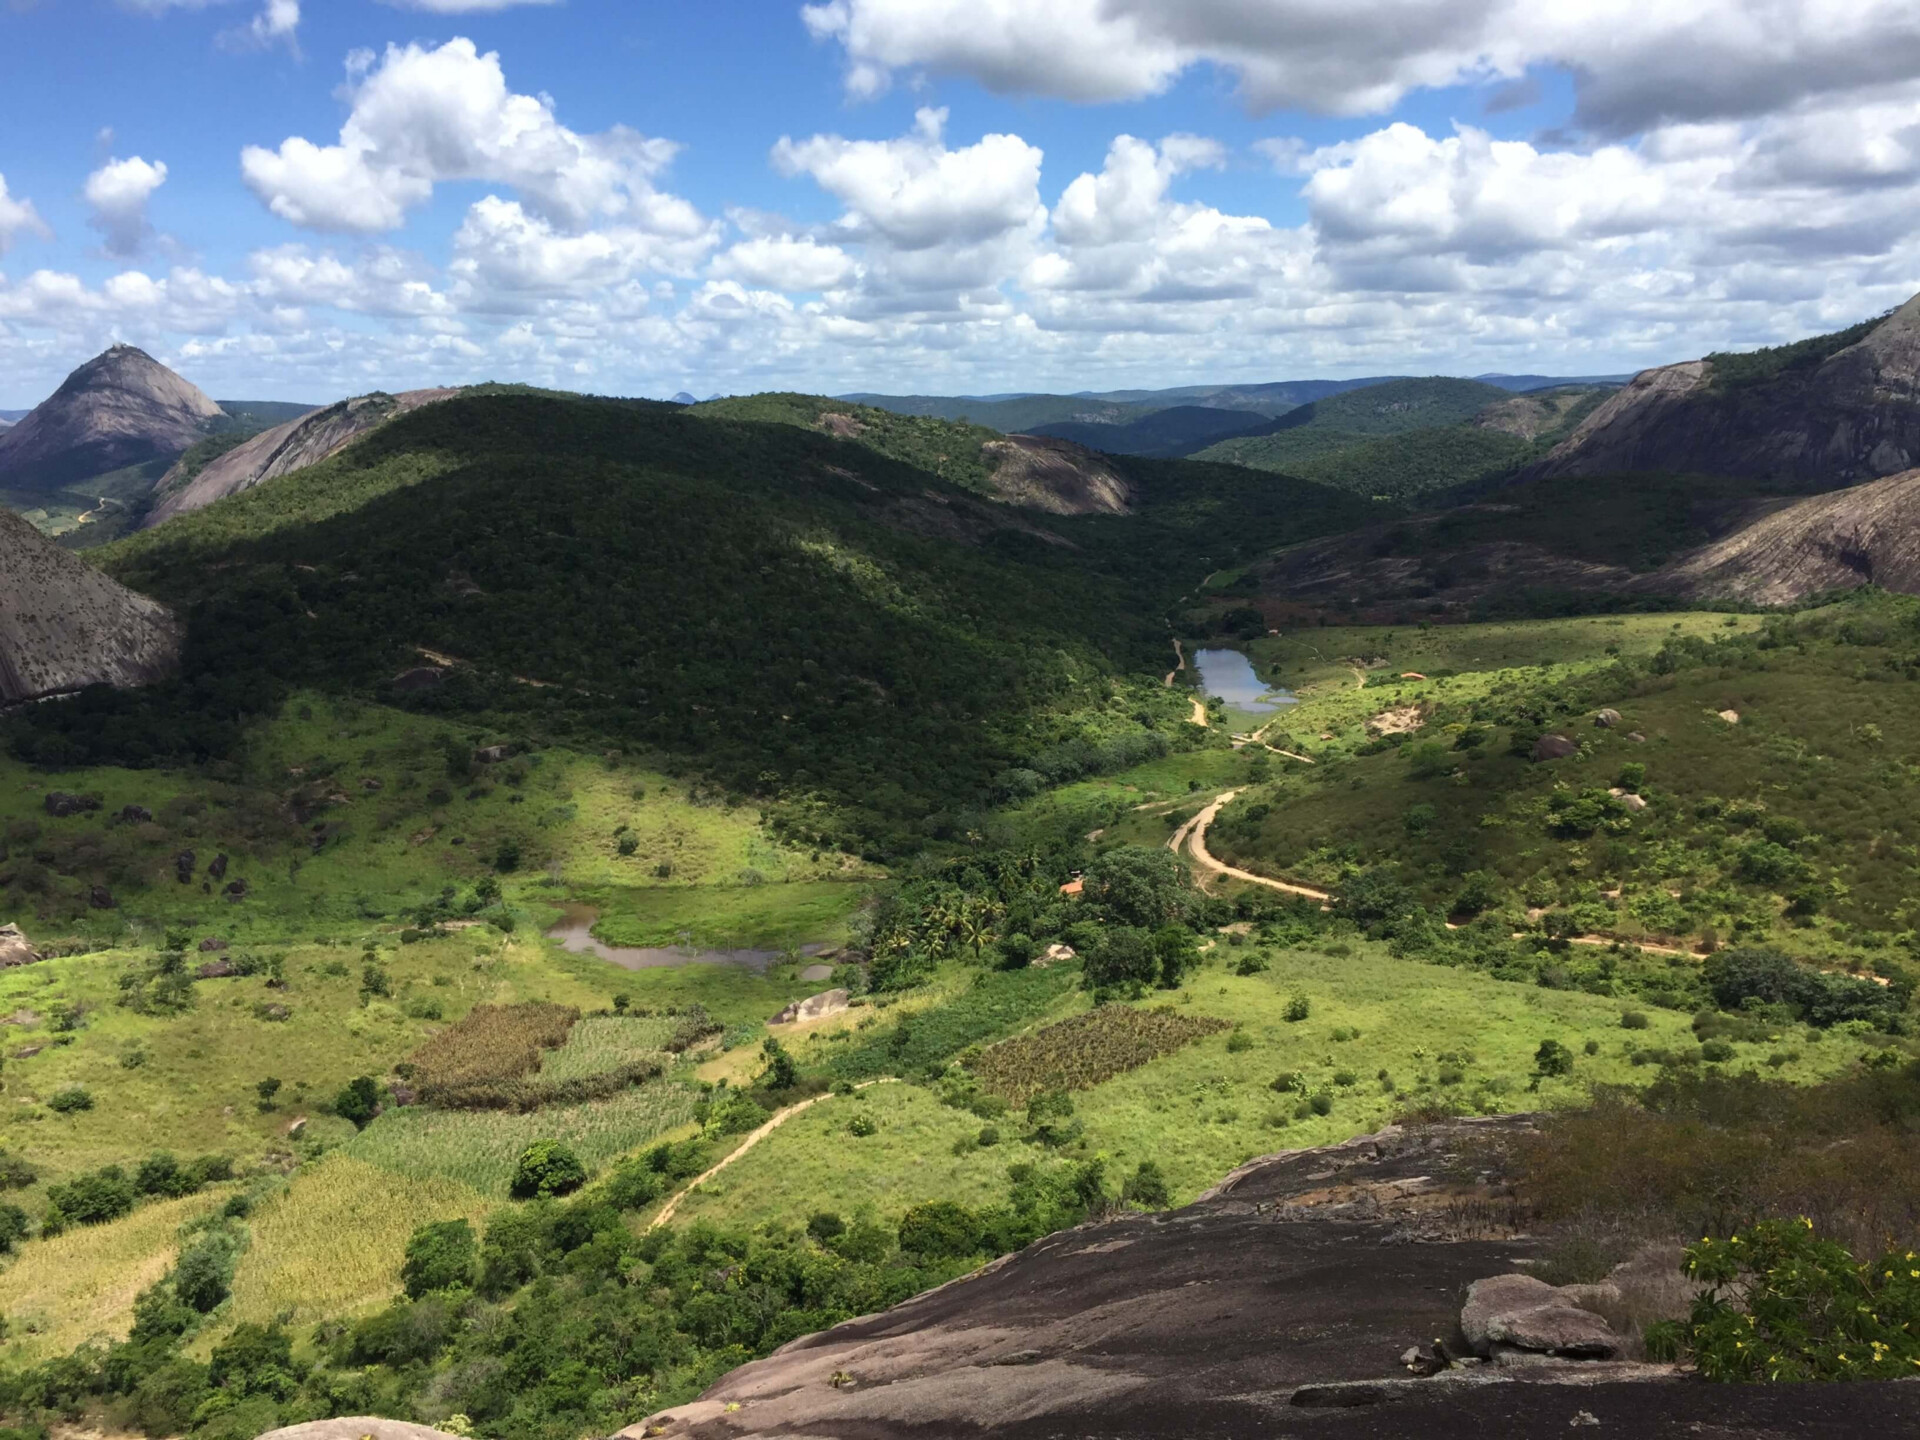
{"points": [[65, 626], [1868, 535], [15, 949], [814, 1007], [120, 408], [1854, 417], [357, 1427], [1056, 476], [1554, 747], [316, 436]]}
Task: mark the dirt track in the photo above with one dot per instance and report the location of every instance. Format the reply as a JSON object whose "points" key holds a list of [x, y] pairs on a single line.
{"points": [[1193, 836]]}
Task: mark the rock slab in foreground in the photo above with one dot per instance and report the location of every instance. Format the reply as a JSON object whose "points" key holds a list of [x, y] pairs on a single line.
{"points": [[1528, 1314]]}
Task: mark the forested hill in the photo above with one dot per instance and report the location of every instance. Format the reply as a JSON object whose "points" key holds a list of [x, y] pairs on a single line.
{"points": [[799, 616]]}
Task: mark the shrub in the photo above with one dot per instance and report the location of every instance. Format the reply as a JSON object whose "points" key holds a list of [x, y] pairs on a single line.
{"points": [[1784, 1305], [1716, 1051], [940, 1229], [862, 1125], [1252, 964], [781, 1072], [824, 1225], [1634, 1020], [1299, 1008], [71, 1099], [506, 859], [94, 1198], [989, 1135], [547, 1168], [1553, 1058], [1345, 1078], [1147, 1187], [358, 1102], [203, 1275], [16, 1173], [634, 1185], [440, 1256], [1239, 1042], [1321, 1104], [13, 1227]]}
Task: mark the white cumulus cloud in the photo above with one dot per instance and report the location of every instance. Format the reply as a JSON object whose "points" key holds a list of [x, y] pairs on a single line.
{"points": [[17, 215], [117, 194]]}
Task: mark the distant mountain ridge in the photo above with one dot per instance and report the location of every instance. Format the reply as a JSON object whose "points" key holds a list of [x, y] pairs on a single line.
{"points": [[121, 408], [1828, 411]]}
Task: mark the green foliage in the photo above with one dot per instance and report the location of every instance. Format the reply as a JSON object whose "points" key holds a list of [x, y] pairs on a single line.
{"points": [[996, 1003], [1147, 1187], [1083, 1052], [1738, 371], [1767, 976], [359, 1101], [1298, 1008], [1138, 886], [547, 1168], [940, 1229], [71, 1099], [1781, 1304], [441, 1256], [1553, 1059], [781, 1072], [863, 1126]]}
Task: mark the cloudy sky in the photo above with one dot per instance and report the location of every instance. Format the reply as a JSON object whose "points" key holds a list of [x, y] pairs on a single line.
{"points": [[299, 199]]}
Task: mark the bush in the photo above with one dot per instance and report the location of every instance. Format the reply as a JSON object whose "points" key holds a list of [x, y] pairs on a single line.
{"points": [[634, 1186], [1239, 1042], [862, 1125], [1634, 1020], [940, 1229], [1553, 1058], [547, 1168], [440, 1256], [1147, 1187], [781, 1073], [1716, 1051], [13, 1227], [203, 1275], [358, 1102], [1321, 1104], [1784, 1305], [1299, 1008], [71, 1099], [95, 1198]]}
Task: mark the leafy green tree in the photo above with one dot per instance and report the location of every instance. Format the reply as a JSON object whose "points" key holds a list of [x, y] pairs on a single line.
{"points": [[440, 1256], [1138, 886], [547, 1168], [940, 1229], [1553, 1058], [1147, 1187], [203, 1275], [13, 1227], [1177, 951], [1122, 956], [359, 1101], [781, 1072]]}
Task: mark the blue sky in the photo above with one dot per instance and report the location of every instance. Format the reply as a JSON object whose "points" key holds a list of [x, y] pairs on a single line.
{"points": [[940, 196]]}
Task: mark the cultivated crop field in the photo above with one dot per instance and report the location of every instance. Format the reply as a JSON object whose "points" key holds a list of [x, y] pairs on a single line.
{"points": [[479, 1149], [1085, 1051], [331, 1242], [602, 1044], [493, 1043]]}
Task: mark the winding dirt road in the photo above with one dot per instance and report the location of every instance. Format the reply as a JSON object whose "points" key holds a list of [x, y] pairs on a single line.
{"points": [[1193, 837]]}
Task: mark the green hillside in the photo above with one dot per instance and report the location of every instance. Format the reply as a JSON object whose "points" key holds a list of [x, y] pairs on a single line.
{"points": [[1416, 463], [1170, 433]]}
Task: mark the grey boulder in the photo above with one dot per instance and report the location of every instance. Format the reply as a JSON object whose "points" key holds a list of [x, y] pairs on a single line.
{"points": [[1522, 1313]]}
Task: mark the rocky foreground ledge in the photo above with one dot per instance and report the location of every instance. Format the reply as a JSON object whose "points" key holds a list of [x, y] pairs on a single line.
{"points": [[1317, 1292]]}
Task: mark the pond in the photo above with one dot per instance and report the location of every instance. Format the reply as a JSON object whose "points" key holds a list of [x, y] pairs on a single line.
{"points": [[1229, 674], [575, 934]]}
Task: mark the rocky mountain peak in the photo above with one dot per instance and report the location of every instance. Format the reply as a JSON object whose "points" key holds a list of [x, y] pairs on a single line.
{"points": [[121, 408]]}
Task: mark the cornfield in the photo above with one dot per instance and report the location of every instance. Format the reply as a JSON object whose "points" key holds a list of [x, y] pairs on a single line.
{"points": [[479, 1148], [1080, 1053], [493, 1045], [600, 1044]]}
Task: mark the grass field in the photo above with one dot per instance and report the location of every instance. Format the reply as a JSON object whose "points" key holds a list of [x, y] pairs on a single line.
{"points": [[61, 1292], [758, 916], [814, 1163], [602, 1043], [478, 1149], [332, 1241]]}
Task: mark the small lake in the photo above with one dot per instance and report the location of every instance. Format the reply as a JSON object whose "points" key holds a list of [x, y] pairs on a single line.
{"points": [[575, 934], [1229, 674]]}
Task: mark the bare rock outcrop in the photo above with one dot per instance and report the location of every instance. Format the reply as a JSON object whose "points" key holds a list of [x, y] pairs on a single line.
{"points": [[814, 1007], [65, 626], [357, 1427], [1867, 535], [1057, 476], [1523, 1313], [120, 408], [15, 948], [1854, 416], [316, 436]]}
